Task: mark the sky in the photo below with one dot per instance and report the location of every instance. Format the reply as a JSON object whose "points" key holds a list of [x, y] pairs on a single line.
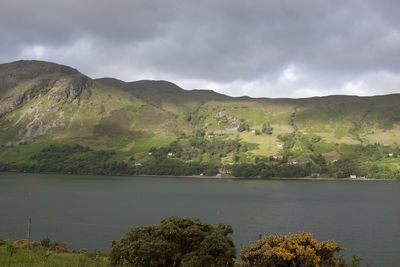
{"points": [[268, 48]]}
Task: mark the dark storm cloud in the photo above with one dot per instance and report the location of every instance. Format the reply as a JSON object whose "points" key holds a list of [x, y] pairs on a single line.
{"points": [[240, 47]]}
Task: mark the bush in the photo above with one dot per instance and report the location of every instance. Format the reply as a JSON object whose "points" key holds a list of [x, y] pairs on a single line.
{"points": [[11, 248], [59, 247], [45, 242], [175, 242], [299, 249]]}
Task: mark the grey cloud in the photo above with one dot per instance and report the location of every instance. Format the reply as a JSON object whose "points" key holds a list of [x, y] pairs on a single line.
{"points": [[225, 42]]}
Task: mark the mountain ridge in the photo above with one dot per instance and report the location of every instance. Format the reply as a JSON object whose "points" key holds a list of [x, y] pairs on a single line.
{"points": [[44, 103]]}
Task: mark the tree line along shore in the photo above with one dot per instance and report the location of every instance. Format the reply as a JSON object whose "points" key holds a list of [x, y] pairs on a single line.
{"points": [[77, 159]]}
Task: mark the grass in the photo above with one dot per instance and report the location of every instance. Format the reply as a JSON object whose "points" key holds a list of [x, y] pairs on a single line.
{"points": [[38, 257], [267, 144], [323, 147], [254, 116], [384, 136], [144, 143]]}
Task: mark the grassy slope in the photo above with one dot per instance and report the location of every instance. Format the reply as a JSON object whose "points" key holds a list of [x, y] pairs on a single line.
{"points": [[39, 257], [133, 117]]}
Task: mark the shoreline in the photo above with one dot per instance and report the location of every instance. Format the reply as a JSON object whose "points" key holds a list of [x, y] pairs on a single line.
{"points": [[273, 178], [270, 178], [219, 177]]}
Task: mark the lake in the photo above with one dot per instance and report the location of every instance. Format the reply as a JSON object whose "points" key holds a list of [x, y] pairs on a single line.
{"points": [[90, 211]]}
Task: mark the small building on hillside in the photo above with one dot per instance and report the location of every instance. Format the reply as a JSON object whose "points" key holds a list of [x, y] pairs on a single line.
{"points": [[353, 176], [223, 171], [390, 155], [137, 163]]}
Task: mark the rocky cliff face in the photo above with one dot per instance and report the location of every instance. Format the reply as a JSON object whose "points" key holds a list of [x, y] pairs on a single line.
{"points": [[30, 91], [23, 81]]}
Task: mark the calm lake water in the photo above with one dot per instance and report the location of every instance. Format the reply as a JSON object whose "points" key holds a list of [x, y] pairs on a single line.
{"points": [[89, 211]]}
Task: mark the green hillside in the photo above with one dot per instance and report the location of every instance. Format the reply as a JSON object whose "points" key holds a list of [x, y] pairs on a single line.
{"points": [[52, 117]]}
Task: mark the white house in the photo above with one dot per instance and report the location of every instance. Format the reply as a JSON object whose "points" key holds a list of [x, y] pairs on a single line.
{"points": [[223, 171], [352, 176]]}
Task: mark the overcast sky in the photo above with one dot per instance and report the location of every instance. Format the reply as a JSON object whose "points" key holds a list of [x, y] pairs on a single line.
{"points": [[282, 48]]}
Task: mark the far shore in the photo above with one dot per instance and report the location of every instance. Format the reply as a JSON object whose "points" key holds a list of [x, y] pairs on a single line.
{"points": [[272, 178], [220, 177]]}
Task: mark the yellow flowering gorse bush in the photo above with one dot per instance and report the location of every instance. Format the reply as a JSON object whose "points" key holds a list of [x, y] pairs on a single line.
{"points": [[299, 249]]}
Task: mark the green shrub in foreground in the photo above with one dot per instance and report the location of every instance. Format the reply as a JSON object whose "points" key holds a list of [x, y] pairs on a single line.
{"points": [[176, 242]]}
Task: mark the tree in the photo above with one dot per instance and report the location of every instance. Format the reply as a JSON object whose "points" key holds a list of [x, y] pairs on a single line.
{"points": [[299, 249], [243, 126], [266, 128], [175, 242]]}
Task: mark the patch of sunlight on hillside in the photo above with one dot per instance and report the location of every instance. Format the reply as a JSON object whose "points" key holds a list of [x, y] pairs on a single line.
{"points": [[267, 143], [384, 137], [331, 137], [143, 144]]}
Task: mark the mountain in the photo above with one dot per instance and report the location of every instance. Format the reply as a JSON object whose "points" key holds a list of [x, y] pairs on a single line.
{"points": [[44, 104]]}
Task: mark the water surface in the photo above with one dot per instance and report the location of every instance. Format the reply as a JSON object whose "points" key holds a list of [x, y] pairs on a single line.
{"points": [[89, 211]]}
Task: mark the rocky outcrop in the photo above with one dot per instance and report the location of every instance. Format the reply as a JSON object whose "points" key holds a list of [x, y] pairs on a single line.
{"points": [[60, 83], [21, 97], [67, 89]]}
